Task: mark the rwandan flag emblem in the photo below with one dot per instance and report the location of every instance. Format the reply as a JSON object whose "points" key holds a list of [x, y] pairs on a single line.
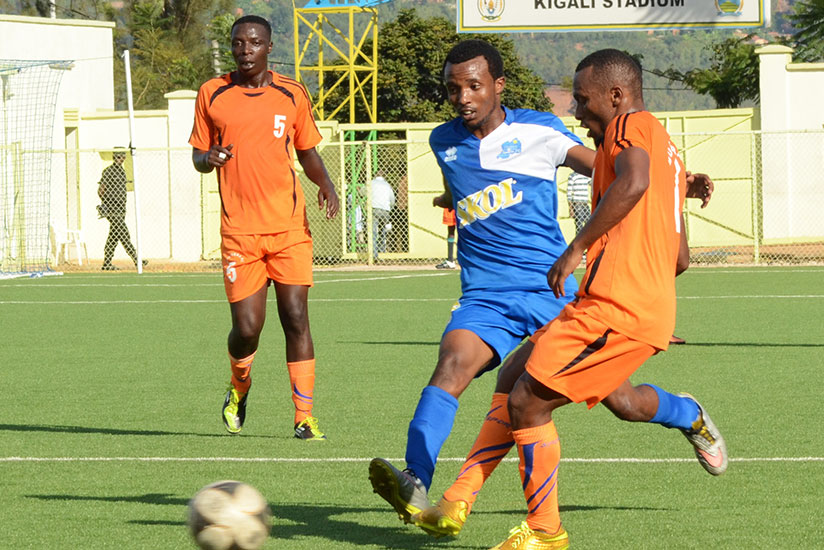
{"points": [[729, 7], [491, 10]]}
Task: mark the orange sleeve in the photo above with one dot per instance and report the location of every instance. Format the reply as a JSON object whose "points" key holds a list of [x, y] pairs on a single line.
{"points": [[203, 129], [631, 132], [307, 134]]}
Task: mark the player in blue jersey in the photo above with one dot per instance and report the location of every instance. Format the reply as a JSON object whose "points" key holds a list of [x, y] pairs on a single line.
{"points": [[499, 169]]}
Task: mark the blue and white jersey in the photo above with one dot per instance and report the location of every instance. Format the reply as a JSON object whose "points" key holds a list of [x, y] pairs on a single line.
{"points": [[505, 198]]}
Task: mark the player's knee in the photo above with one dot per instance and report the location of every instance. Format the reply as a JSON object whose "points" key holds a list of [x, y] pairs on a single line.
{"points": [[451, 374], [247, 328], [246, 332], [517, 405], [295, 325]]}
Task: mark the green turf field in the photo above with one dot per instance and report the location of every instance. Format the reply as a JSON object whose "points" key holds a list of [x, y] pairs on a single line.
{"points": [[113, 385]]}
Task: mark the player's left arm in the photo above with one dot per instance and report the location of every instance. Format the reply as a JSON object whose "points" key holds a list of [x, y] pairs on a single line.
{"points": [[444, 200], [581, 159], [683, 261], [630, 184], [699, 186], [316, 171]]}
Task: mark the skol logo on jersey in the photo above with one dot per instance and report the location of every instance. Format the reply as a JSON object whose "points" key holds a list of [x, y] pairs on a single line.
{"points": [[482, 204], [491, 10], [510, 149]]}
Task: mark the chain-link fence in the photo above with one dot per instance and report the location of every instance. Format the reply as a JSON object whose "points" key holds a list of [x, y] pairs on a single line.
{"points": [[769, 191]]}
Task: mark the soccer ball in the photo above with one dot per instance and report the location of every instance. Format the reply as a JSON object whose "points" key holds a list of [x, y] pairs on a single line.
{"points": [[229, 515]]}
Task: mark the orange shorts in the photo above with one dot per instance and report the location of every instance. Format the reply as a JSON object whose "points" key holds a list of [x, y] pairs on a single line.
{"points": [[250, 261], [582, 358], [449, 217]]}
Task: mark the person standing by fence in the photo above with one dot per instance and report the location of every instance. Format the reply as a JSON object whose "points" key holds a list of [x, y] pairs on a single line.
{"points": [[112, 192]]}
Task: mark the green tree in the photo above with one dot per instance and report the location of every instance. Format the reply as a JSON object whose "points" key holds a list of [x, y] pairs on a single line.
{"points": [[411, 53], [170, 47], [219, 32], [808, 20], [732, 77]]}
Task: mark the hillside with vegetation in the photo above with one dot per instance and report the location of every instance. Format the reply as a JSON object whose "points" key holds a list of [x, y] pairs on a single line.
{"points": [[172, 47], [553, 56]]}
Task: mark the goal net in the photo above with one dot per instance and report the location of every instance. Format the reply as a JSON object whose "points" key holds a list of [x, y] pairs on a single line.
{"points": [[28, 96]]}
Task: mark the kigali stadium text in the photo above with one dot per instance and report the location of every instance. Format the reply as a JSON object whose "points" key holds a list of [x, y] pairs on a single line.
{"points": [[579, 4]]}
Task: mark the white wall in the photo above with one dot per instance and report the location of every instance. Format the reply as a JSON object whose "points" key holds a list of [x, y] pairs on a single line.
{"points": [[792, 145], [89, 85]]}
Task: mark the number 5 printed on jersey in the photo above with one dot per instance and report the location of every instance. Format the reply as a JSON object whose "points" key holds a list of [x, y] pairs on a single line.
{"points": [[280, 125]]}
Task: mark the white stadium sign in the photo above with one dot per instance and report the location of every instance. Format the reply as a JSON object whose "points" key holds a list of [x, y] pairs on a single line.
{"points": [[589, 15]]}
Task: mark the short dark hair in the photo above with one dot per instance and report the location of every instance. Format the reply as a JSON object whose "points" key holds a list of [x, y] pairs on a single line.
{"points": [[253, 20], [610, 65], [470, 49]]}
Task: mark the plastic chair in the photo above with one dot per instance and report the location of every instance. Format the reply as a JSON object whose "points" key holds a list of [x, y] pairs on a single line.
{"points": [[67, 239]]}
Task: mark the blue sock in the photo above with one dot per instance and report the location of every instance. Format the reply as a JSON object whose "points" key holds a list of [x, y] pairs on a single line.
{"points": [[428, 430], [674, 411]]}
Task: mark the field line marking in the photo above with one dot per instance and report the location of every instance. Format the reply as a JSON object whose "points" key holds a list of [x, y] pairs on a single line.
{"points": [[221, 301], [364, 460], [384, 278], [318, 300], [750, 296], [217, 282]]}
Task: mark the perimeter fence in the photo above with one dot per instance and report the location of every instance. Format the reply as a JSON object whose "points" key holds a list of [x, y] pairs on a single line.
{"points": [[769, 195]]}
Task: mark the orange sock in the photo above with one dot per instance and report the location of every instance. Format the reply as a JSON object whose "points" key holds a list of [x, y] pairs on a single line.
{"points": [[491, 446], [240, 372], [540, 453], [302, 378]]}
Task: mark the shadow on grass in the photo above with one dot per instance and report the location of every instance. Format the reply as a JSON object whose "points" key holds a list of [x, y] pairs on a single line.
{"points": [[323, 520], [332, 522], [148, 498], [57, 428]]}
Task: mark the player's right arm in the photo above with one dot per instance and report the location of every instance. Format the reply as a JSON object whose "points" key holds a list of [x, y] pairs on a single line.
{"points": [[216, 157], [204, 135], [630, 184], [444, 200]]}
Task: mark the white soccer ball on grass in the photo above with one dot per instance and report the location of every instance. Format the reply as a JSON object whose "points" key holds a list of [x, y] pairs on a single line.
{"points": [[229, 515]]}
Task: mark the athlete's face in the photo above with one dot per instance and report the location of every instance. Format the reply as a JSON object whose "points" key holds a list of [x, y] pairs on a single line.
{"points": [[251, 45], [595, 103], [475, 95]]}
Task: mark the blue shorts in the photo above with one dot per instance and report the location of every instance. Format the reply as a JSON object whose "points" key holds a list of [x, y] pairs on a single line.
{"points": [[503, 319]]}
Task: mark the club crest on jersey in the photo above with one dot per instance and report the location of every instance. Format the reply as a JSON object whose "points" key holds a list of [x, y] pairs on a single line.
{"points": [[510, 149], [489, 200], [450, 154]]}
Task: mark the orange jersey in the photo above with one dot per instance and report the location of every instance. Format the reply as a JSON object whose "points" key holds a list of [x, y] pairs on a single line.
{"points": [[259, 190], [629, 282]]}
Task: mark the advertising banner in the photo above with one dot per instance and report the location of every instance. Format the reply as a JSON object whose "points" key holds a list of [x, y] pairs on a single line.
{"points": [[590, 15]]}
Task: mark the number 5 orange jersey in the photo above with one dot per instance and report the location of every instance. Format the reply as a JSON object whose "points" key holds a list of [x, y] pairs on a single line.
{"points": [[259, 189]]}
